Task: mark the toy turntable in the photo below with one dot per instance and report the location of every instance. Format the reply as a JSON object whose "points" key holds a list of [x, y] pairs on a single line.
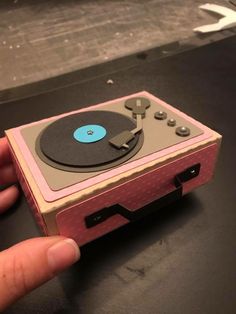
{"points": [[88, 172]]}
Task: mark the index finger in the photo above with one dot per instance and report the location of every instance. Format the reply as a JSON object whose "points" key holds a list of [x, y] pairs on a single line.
{"points": [[5, 157]]}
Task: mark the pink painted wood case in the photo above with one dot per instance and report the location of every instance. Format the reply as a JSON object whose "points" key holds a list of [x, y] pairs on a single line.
{"points": [[88, 172]]}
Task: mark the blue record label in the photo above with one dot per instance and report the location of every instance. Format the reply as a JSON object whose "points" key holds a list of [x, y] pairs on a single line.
{"points": [[90, 133]]}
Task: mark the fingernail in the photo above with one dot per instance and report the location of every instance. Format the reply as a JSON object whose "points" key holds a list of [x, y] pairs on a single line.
{"points": [[63, 254]]}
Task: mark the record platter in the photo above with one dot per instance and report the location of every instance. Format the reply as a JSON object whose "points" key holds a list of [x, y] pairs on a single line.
{"points": [[88, 172]]}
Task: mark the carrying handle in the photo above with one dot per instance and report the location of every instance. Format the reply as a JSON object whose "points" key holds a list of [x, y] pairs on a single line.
{"points": [[105, 213]]}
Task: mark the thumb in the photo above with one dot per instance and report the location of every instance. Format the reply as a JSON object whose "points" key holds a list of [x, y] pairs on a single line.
{"points": [[29, 264]]}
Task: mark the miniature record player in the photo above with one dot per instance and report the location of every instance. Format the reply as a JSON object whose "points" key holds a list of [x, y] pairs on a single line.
{"points": [[88, 172]]}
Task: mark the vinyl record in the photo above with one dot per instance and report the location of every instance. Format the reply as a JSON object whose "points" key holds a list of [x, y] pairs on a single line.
{"points": [[82, 140]]}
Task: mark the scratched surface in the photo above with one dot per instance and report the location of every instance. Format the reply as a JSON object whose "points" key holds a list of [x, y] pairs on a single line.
{"points": [[42, 39]]}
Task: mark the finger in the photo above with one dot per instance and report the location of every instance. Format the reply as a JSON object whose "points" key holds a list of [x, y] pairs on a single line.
{"points": [[8, 197], [29, 264], [5, 156], [7, 175]]}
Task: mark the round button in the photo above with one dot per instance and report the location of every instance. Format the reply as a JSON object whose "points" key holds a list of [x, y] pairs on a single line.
{"points": [[90, 133], [171, 122], [160, 115], [182, 131]]}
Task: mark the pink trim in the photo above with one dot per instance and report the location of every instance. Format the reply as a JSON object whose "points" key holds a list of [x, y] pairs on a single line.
{"points": [[51, 196]]}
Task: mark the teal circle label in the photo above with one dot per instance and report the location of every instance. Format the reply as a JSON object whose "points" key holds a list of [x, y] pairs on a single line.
{"points": [[90, 133]]}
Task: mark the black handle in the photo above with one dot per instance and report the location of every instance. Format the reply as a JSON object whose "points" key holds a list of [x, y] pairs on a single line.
{"points": [[105, 213]]}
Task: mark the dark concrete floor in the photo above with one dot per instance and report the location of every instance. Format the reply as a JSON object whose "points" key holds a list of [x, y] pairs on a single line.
{"points": [[41, 39]]}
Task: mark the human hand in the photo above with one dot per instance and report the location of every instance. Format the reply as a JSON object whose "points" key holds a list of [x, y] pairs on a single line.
{"points": [[7, 176], [30, 263]]}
